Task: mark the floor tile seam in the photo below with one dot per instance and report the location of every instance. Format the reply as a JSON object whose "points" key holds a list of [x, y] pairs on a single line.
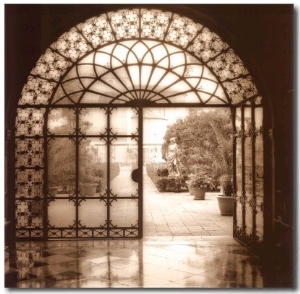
{"points": [[177, 258], [143, 275], [154, 275], [191, 270], [158, 265]]}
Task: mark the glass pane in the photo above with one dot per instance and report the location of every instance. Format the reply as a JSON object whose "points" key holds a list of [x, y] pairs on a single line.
{"points": [[124, 213], [247, 119], [248, 185], [239, 215], [258, 118], [61, 213], [168, 80], [123, 121], [134, 72], [62, 165], [92, 167], [93, 121], [104, 87], [61, 121], [189, 97], [259, 173], [238, 119], [248, 167], [239, 166], [249, 219], [259, 219], [94, 98], [124, 159], [259, 168], [92, 213], [156, 77]]}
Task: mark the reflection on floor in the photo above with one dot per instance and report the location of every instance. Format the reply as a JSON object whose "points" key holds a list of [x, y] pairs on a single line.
{"points": [[158, 262], [186, 244]]}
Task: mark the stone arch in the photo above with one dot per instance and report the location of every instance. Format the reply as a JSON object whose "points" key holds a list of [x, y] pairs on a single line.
{"points": [[194, 64]]}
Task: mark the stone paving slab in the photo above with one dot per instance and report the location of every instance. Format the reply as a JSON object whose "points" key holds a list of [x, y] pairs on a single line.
{"points": [[178, 214]]}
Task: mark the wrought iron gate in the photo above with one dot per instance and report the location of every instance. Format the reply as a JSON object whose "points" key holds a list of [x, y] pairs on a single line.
{"points": [[90, 191], [129, 57], [249, 174]]}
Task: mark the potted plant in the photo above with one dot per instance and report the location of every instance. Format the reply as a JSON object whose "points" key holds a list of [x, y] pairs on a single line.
{"points": [[52, 188], [225, 200], [200, 183], [88, 181]]}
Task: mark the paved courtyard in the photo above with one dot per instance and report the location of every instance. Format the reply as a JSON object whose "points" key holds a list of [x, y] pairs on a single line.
{"points": [[178, 214]]}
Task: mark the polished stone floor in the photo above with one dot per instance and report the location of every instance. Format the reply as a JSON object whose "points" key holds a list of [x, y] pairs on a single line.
{"points": [[186, 244], [160, 262]]}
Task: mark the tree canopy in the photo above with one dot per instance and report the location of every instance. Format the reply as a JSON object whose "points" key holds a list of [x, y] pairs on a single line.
{"points": [[205, 141]]}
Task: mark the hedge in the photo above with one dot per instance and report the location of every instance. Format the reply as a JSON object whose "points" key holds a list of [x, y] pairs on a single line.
{"points": [[158, 173]]}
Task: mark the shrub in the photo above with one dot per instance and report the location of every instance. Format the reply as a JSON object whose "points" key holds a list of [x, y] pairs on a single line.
{"points": [[202, 180], [158, 173]]}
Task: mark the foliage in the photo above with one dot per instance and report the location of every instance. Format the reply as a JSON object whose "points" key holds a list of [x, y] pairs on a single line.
{"points": [[62, 157], [88, 163], [61, 164], [157, 169], [201, 180], [204, 140], [158, 172], [227, 185]]}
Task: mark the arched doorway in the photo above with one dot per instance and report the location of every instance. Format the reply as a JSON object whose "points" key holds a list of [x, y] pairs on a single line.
{"points": [[118, 62]]}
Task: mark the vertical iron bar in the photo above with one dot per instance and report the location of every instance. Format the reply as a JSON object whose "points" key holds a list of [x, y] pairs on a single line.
{"points": [[45, 186], [234, 139], [140, 168], [77, 166], [253, 139], [243, 196], [108, 110]]}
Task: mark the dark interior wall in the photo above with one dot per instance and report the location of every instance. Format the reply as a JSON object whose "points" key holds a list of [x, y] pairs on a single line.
{"points": [[262, 35]]}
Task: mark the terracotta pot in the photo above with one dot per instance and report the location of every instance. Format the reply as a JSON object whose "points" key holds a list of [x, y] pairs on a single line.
{"points": [[90, 189], [191, 190], [87, 189], [199, 194], [52, 190], [225, 204]]}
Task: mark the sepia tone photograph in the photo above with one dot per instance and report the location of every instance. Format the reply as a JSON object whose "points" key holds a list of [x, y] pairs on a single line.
{"points": [[149, 146]]}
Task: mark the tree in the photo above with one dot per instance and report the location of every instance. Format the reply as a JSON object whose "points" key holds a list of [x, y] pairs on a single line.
{"points": [[204, 140], [62, 151]]}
